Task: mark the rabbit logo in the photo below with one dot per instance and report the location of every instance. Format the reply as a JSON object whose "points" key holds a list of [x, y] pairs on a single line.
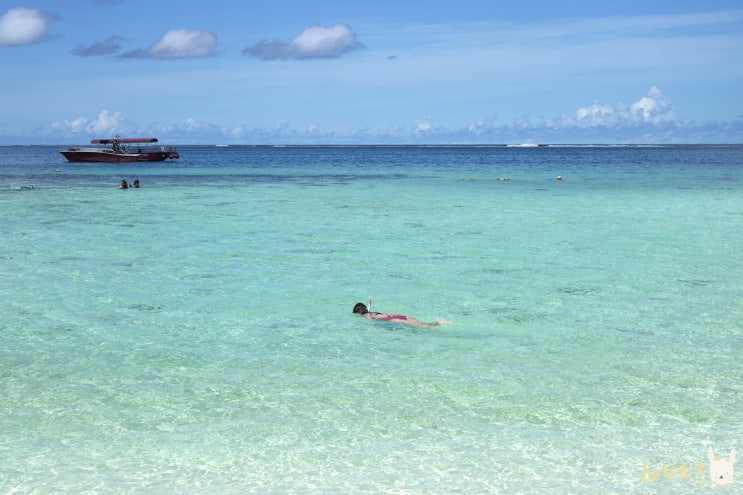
{"points": [[720, 470]]}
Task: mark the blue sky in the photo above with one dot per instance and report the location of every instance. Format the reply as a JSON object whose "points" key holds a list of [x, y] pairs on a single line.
{"points": [[340, 72]]}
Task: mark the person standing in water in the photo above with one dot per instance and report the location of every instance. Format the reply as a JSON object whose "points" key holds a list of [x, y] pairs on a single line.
{"points": [[361, 310]]}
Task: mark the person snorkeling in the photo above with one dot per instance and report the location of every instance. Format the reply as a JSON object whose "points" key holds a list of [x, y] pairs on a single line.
{"points": [[362, 310]]}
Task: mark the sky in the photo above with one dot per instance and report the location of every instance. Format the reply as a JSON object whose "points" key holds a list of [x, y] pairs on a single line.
{"points": [[382, 72]]}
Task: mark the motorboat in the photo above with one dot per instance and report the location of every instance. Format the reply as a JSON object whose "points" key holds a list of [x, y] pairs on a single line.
{"points": [[118, 150]]}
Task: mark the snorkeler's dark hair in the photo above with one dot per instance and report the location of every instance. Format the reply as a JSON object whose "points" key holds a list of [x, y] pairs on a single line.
{"points": [[360, 308]]}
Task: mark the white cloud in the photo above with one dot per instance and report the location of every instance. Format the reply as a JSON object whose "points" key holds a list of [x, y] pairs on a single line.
{"points": [[651, 109], [21, 26], [318, 41], [595, 114], [650, 119], [74, 126], [179, 43], [314, 42], [425, 126], [107, 124]]}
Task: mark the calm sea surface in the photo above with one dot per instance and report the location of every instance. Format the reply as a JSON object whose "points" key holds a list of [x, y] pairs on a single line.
{"points": [[195, 336]]}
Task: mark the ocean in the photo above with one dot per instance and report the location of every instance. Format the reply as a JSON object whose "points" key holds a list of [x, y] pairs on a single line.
{"points": [[195, 335]]}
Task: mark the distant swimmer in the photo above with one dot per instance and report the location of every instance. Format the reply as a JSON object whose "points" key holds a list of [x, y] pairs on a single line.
{"points": [[361, 310], [136, 183], [559, 177], [124, 184]]}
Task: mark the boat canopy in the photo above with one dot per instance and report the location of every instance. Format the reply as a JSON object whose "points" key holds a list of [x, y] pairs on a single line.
{"points": [[124, 140]]}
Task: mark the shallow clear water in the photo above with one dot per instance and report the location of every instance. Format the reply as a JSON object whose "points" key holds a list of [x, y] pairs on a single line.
{"points": [[196, 335]]}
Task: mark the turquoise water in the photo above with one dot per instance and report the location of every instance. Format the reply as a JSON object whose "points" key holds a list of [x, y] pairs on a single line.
{"points": [[196, 335]]}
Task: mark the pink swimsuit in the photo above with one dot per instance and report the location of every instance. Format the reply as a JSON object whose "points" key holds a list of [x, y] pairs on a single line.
{"points": [[392, 317]]}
